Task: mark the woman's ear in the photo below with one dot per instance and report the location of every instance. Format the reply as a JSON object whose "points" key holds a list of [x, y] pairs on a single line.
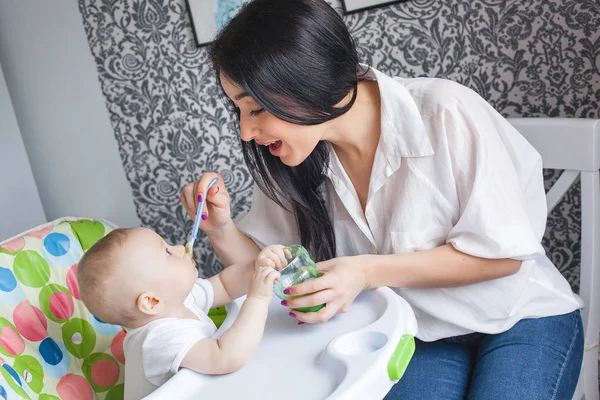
{"points": [[149, 303]]}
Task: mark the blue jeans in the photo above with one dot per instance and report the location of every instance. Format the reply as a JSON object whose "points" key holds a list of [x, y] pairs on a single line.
{"points": [[535, 359]]}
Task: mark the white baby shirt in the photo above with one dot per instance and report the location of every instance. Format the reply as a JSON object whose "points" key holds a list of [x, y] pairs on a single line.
{"points": [[154, 351]]}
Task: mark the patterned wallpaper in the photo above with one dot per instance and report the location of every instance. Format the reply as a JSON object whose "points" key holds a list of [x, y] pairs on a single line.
{"points": [[533, 58]]}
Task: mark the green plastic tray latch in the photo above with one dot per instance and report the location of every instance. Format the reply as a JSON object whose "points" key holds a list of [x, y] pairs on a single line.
{"points": [[401, 357]]}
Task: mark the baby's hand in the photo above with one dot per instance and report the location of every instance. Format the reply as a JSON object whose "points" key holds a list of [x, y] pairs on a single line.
{"points": [[272, 256], [262, 283]]}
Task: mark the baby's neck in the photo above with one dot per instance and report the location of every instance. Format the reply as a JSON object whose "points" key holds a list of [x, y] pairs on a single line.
{"points": [[179, 312]]}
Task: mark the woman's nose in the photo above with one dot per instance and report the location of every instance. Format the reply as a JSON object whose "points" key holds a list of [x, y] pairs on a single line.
{"points": [[248, 131]]}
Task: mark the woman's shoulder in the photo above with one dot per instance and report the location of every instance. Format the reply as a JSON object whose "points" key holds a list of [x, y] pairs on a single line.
{"points": [[436, 94]]}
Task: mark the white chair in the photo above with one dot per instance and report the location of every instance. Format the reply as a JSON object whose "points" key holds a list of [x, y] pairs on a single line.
{"points": [[574, 145]]}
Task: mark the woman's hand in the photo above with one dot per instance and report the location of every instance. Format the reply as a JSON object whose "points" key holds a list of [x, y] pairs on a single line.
{"points": [[343, 279], [217, 213]]}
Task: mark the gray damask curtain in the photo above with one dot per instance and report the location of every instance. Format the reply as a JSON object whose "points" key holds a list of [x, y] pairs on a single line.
{"points": [[527, 58]]}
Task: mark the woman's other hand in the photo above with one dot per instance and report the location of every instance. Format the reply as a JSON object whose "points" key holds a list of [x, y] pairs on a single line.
{"points": [[342, 281]]}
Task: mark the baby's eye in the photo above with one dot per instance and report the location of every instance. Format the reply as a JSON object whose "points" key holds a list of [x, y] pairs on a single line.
{"points": [[168, 252]]}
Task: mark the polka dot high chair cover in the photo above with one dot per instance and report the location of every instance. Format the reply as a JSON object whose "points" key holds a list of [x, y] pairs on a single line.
{"points": [[51, 347]]}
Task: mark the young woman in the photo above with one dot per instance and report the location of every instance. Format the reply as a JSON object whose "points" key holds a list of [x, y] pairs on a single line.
{"points": [[416, 184]]}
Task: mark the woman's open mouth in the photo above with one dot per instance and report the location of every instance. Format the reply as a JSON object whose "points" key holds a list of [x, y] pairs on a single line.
{"points": [[274, 147]]}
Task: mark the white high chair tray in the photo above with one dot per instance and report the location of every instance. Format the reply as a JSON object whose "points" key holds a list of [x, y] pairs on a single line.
{"points": [[345, 358]]}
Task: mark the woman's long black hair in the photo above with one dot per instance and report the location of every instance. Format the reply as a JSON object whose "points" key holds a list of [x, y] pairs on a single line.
{"points": [[297, 60]]}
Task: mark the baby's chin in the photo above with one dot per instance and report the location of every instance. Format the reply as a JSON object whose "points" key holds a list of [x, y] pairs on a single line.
{"points": [[181, 289]]}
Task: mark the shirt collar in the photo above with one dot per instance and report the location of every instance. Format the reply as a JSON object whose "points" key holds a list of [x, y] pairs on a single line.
{"points": [[403, 132]]}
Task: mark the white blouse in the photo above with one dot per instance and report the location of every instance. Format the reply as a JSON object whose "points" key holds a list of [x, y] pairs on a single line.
{"points": [[448, 169]]}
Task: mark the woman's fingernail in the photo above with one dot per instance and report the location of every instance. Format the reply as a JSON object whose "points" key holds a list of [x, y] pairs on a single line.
{"points": [[287, 291], [300, 322], [292, 315], [284, 302], [199, 198], [204, 217]]}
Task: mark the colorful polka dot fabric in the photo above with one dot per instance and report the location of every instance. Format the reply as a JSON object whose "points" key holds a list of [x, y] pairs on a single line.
{"points": [[51, 347]]}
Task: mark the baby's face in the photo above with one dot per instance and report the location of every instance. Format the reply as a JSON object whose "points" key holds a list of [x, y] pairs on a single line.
{"points": [[163, 269]]}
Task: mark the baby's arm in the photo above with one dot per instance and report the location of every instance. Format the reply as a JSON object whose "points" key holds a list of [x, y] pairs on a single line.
{"points": [[233, 281], [233, 349], [230, 283]]}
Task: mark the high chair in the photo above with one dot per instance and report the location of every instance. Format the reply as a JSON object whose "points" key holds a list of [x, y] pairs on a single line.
{"points": [[573, 145]]}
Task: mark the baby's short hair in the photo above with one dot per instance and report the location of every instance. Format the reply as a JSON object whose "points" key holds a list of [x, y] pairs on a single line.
{"points": [[94, 273]]}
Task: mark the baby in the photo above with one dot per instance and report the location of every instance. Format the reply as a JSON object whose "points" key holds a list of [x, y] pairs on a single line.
{"points": [[134, 279]]}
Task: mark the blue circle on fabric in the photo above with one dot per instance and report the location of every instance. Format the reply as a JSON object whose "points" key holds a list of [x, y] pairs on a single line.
{"points": [[57, 244], [12, 373], [8, 282], [56, 362], [50, 351]]}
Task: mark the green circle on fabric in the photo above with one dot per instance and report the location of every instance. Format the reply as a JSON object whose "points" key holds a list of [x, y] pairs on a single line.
{"points": [[8, 378], [88, 232], [44, 300], [116, 393], [45, 396], [6, 251], [31, 269], [88, 337], [34, 368], [86, 368]]}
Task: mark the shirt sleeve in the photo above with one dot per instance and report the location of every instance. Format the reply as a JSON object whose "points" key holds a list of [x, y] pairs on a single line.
{"points": [[268, 223], [499, 183], [166, 345], [204, 295]]}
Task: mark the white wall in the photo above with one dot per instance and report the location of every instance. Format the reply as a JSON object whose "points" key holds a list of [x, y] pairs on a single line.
{"points": [[53, 83], [20, 204]]}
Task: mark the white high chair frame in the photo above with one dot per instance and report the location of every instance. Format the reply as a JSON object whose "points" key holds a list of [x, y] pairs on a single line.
{"points": [[573, 145]]}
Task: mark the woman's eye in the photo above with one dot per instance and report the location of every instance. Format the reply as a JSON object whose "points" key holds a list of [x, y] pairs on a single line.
{"points": [[254, 113], [168, 252]]}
